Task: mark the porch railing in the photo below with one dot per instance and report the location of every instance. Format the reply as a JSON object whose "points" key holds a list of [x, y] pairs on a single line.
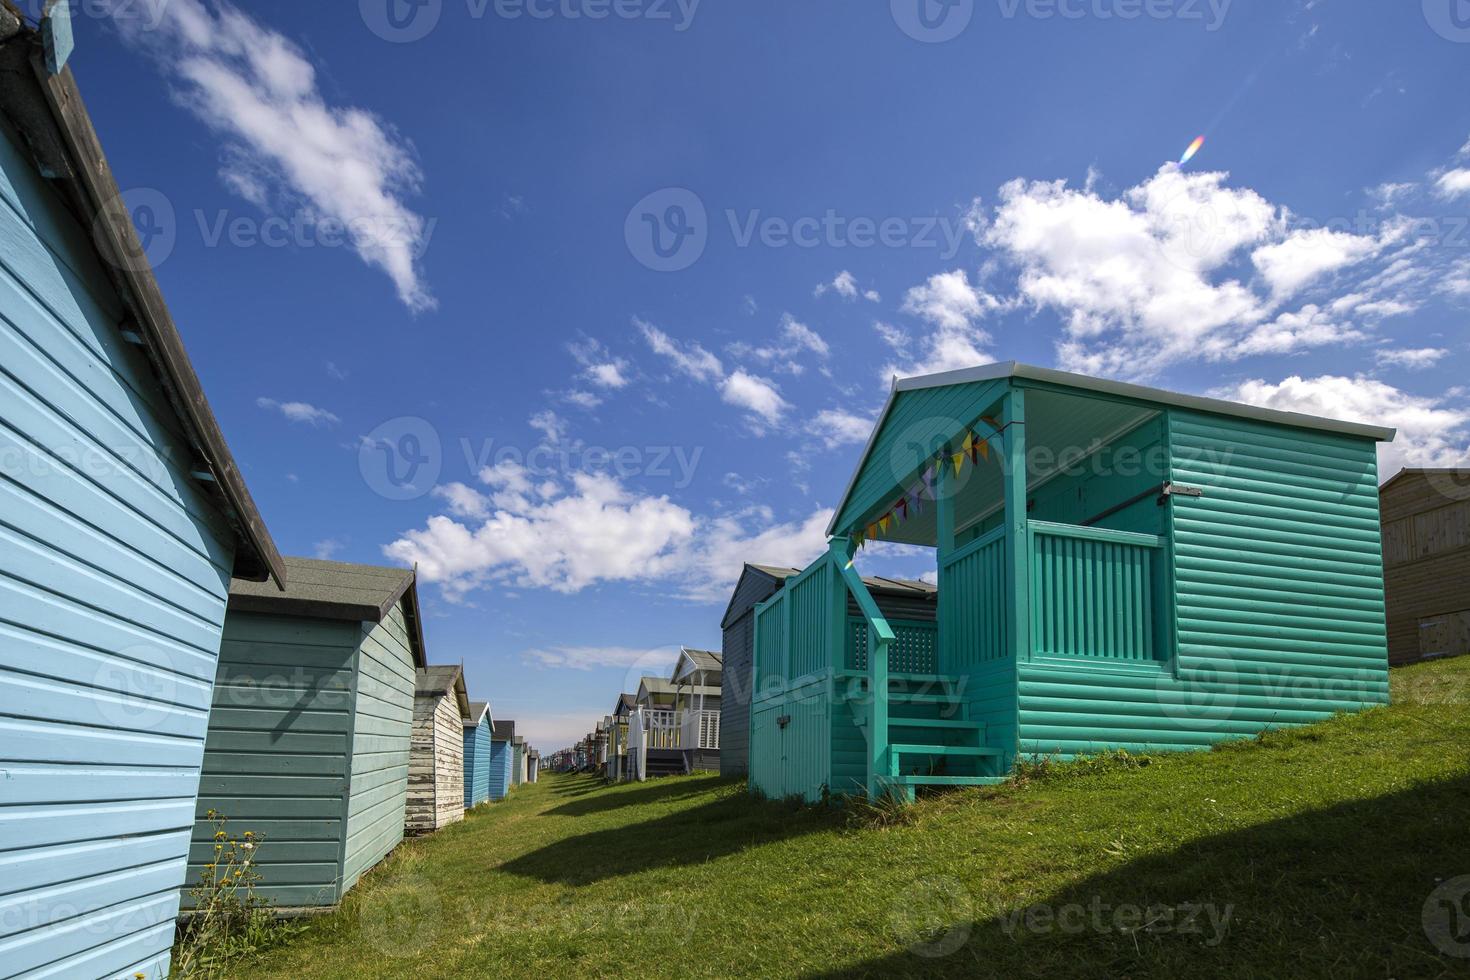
{"points": [[915, 648], [662, 728], [700, 729], [1094, 592]]}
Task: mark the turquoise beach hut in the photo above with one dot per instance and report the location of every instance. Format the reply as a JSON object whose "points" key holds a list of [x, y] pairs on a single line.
{"points": [[125, 517], [310, 731], [1119, 567], [477, 755]]}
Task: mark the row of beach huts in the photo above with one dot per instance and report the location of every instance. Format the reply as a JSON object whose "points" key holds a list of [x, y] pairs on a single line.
{"points": [[1117, 567], [159, 659]]}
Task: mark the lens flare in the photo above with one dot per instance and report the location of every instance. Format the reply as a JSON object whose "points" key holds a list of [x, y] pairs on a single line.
{"points": [[1199, 141]]}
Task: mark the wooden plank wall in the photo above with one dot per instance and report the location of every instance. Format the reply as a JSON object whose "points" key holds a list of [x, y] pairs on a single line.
{"points": [[436, 765], [114, 571], [1426, 558], [276, 761], [382, 728]]}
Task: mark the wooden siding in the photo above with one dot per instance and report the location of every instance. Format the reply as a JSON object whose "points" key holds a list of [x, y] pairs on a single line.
{"points": [[276, 761], [738, 646], [381, 733], [1426, 557], [500, 759], [436, 765], [477, 764], [1279, 616], [114, 571]]}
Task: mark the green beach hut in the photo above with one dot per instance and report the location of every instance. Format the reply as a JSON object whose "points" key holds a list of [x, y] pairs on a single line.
{"points": [[1119, 567], [308, 741]]}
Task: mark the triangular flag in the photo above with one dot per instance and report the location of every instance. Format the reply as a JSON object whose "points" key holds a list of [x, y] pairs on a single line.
{"points": [[901, 509], [983, 446], [884, 521], [969, 445], [872, 531], [959, 459]]}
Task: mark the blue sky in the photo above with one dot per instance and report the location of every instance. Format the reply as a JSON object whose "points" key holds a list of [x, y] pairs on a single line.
{"points": [[618, 296]]}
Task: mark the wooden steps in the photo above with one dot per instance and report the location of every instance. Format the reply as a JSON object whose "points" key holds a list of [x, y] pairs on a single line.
{"points": [[982, 751], [911, 781]]}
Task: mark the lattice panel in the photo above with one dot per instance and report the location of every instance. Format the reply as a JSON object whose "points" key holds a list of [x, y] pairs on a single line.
{"points": [[914, 650]]}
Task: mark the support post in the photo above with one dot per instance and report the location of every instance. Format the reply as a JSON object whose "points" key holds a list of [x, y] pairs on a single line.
{"points": [[1018, 545], [880, 638]]}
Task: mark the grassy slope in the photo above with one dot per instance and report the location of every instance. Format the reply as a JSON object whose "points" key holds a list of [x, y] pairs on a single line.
{"points": [[1324, 843]]}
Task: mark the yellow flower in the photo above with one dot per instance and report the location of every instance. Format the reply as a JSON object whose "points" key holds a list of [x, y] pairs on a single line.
{"points": [[219, 835]]}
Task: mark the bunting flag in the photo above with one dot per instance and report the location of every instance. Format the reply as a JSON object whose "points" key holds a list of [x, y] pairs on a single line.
{"points": [[974, 447]]}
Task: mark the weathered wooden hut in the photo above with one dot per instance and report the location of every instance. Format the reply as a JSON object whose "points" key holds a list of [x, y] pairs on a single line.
{"points": [[533, 765], [518, 760], [910, 603], [436, 759], [502, 756], [1426, 559], [125, 518], [477, 754], [1119, 567], [696, 680], [309, 731]]}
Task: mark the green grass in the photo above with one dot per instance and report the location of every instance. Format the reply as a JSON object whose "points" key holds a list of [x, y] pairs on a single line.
{"points": [[1306, 853]]}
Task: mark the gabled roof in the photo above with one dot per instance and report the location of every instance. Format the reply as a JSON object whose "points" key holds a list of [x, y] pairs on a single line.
{"points": [[778, 574], [1417, 471], [436, 682], [48, 113], [656, 685], [702, 659], [517, 740], [479, 711], [1013, 370], [625, 703], [503, 731], [335, 590]]}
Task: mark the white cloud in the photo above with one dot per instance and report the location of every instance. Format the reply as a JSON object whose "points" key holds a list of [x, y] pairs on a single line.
{"points": [[599, 366], [582, 399], [894, 337], [1453, 183], [343, 166], [299, 412], [784, 354], [845, 285], [756, 395], [553, 427], [592, 529], [837, 428], [1432, 431], [326, 549], [1411, 358], [609, 375], [1304, 256], [588, 658], [690, 359], [952, 305]]}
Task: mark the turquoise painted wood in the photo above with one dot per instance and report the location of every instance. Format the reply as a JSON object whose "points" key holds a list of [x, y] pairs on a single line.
{"points": [[308, 747], [501, 758], [114, 571], [476, 762], [1087, 610]]}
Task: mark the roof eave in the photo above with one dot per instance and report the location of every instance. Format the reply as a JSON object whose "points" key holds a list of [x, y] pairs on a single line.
{"points": [[86, 180]]}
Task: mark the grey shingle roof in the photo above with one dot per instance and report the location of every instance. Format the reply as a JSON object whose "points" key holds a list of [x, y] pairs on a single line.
{"points": [[335, 590], [477, 711], [503, 731], [704, 659], [433, 682]]}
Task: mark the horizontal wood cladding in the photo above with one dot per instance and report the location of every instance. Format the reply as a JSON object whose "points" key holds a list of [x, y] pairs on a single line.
{"points": [[114, 573], [1426, 540], [436, 765]]}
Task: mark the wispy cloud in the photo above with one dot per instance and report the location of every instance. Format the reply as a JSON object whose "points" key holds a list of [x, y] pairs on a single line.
{"points": [[299, 411], [285, 143]]}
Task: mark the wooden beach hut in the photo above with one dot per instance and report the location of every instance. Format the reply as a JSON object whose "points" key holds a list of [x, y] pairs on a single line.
{"points": [[518, 761], [910, 604], [125, 518], [501, 757], [436, 759], [1119, 567], [617, 746], [309, 731], [533, 766], [477, 755], [1426, 563]]}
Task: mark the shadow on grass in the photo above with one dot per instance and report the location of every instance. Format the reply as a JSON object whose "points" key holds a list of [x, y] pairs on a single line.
{"points": [[1335, 892], [665, 790], [729, 824]]}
